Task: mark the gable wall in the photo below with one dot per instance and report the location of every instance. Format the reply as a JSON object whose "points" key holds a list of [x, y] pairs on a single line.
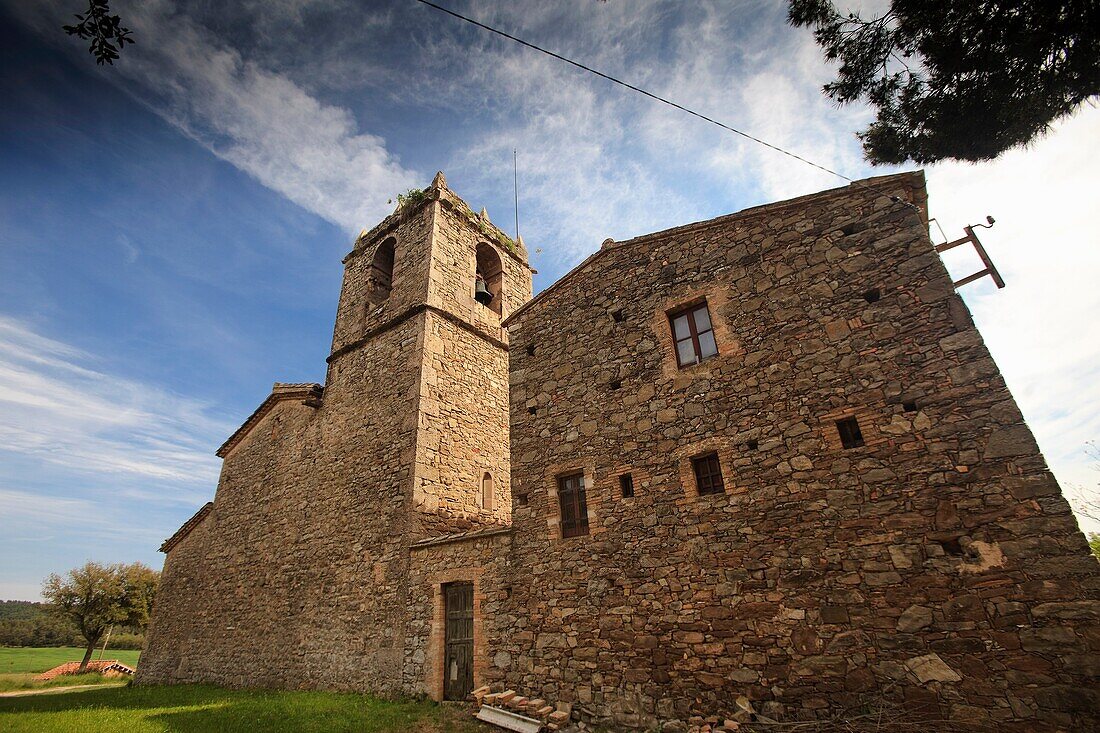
{"points": [[298, 577], [939, 560]]}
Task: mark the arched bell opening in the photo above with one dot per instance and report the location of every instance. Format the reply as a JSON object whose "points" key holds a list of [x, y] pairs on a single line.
{"points": [[488, 277], [488, 499], [380, 280]]}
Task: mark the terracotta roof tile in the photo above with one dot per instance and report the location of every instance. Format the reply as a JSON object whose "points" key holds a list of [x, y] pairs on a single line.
{"points": [[102, 666]]}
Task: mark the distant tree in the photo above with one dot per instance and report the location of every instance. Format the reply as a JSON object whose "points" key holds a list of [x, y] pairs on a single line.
{"points": [[97, 597], [105, 31], [964, 80], [1094, 543]]}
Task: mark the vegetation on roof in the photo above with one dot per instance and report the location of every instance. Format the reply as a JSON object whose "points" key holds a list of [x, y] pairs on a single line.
{"points": [[411, 198]]}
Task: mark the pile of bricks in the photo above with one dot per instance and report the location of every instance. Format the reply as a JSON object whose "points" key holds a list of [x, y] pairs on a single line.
{"points": [[551, 716]]}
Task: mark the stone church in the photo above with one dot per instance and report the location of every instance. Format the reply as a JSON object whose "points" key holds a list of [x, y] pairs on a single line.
{"points": [[763, 457]]}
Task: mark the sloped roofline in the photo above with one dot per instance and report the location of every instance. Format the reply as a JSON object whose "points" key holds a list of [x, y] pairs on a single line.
{"points": [[190, 524], [915, 178], [307, 392]]}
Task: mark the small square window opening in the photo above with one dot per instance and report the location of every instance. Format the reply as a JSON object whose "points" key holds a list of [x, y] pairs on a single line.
{"points": [[850, 434], [708, 474], [617, 315], [694, 335], [626, 485]]}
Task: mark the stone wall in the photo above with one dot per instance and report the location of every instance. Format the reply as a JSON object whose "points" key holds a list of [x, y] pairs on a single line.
{"points": [[299, 575], [463, 425], [481, 558], [937, 564]]}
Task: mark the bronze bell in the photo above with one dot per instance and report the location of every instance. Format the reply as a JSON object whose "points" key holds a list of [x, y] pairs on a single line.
{"points": [[482, 293]]}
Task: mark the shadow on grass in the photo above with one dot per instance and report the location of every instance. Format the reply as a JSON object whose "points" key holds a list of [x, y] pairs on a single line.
{"points": [[191, 708]]}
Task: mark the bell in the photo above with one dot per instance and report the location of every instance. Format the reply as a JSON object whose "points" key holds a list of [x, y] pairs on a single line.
{"points": [[482, 294]]}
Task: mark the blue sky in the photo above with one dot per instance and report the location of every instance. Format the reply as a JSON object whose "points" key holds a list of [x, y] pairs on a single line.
{"points": [[171, 228]]}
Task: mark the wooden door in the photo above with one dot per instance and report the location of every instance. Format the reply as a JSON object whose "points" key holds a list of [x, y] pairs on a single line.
{"points": [[458, 657]]}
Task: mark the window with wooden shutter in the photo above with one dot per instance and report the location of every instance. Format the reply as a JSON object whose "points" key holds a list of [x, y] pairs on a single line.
{"points": [[573, 505], [693, 334], [708, 474]]}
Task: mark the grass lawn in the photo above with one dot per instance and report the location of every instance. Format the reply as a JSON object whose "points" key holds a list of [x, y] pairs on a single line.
{"points": [[192, 708], [20, 659]]}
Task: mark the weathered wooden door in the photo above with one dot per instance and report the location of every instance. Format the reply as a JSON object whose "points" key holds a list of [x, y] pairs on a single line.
{"points": [[458, 667]]}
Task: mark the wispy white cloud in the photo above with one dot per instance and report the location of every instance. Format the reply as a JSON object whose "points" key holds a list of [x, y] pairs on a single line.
{"points": [[261, 121], [58, 408], [256, 118]]}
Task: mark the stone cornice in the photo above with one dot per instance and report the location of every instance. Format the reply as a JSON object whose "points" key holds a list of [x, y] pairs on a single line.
{"points": [[406, 315]]}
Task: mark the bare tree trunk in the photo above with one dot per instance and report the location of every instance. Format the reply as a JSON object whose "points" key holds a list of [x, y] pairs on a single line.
{"points": [[87, 657]]}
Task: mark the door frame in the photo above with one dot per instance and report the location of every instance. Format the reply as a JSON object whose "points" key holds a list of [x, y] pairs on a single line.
{"points": [[448, 590], [437, 646]]}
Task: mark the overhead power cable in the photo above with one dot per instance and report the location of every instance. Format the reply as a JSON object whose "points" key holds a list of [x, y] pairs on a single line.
{"points": [[660, 99]]}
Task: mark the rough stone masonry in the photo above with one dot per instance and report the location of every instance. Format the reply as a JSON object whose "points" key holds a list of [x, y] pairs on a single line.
{"points": [[762, 457]]}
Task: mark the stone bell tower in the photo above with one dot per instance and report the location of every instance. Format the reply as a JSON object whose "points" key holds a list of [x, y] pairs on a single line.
{"points": [[412, 340]]}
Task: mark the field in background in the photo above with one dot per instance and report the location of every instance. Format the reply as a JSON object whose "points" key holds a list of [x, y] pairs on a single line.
{"points": [[194, 708], [16, 660]]}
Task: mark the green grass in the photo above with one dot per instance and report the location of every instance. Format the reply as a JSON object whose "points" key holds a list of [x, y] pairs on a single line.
{"points": [[12, 682], [19, 659], [192, 708]]}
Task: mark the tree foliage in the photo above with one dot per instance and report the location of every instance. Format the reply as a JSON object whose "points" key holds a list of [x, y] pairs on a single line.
{"points": [[964, 80], [97, 597], [105, 31]]}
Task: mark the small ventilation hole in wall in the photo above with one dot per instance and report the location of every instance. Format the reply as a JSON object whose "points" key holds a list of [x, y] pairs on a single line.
{"points": [[531, 350], [521, 499], [626, 485], [617, 315], [532, 410], [752, 445], [910, 406], [507, 591], [615, 383], [953, 547], [850, 229], [873, 295]]}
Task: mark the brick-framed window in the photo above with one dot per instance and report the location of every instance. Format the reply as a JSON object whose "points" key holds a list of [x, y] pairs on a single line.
{"points": [[626, 485], [708, 474], [573, 505], [693, 334], [850, 434]]}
